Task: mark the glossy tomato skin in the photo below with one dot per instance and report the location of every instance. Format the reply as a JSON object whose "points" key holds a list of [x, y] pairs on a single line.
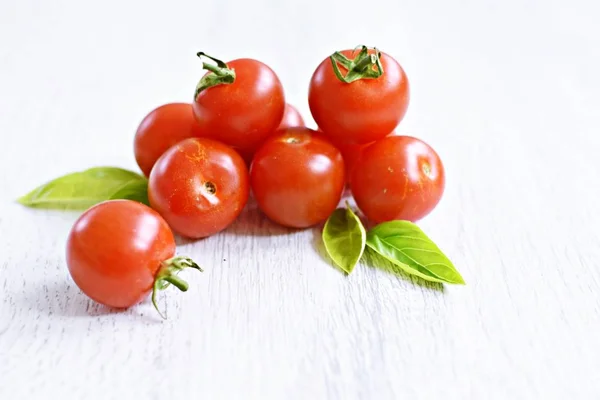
{"points": [[398, 178], [297, 177], [351, 154], [199, 186], [160, 129], [291, 118], [361, 111], [242, 114], [115, 249]]}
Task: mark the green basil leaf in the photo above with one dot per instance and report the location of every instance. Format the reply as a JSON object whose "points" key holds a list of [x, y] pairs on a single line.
{"points": [[404, 244], [136, 190], [81, 190], [344, 237]]}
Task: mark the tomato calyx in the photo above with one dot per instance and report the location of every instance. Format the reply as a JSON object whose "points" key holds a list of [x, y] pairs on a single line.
{"points": [[219, 74], [167, 275], [360, 67]]}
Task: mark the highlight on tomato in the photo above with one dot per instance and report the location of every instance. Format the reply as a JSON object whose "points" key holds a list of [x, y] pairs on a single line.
{"points": [[240, 102], [199, 186], [160, 129], [397, 178], [357, 97], [119, 251], [297, 177]]}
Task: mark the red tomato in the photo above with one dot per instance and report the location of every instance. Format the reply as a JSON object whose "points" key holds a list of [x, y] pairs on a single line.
{"points": [[160, 129], [291, 118], [399, 177], [119, 250], [297, 177], [239, 103], [351, 153], [199, 186], [364, 109]]}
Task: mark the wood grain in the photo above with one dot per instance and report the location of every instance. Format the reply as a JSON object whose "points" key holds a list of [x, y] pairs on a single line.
{"points": [[505, 91]]}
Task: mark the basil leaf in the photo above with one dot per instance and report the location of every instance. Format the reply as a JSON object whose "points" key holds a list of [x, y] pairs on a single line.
{"points": [[405, 245], [344, 236], [81, 190], [136, 190]]}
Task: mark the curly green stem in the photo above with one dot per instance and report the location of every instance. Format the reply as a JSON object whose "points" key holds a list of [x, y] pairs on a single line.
{"points": [[167, 275], [219, 74], [360, 67]]}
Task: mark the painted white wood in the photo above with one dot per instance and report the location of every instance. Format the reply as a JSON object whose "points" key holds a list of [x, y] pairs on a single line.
{"points": [[507, 92]]}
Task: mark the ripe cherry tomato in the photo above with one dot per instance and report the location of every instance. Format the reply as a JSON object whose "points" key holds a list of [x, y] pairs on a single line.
{"points": [[239, 103], [199, 186], [399, 177], [351, 153], [120, 250], [297, 177], [365, 104], [160, 129], [291, 118]]}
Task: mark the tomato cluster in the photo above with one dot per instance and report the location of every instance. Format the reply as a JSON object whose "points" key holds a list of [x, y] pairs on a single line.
{"points": [[238, 138], [296, 174]]}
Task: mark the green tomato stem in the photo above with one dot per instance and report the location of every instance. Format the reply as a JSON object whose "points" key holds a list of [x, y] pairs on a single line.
{"points": [[360, 67], [365, 63], [219, 74], [177, 282], [167, 275]]}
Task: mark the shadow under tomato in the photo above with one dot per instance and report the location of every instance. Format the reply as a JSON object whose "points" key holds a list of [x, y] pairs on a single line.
{"points": [[374, 260], [252, 222], [63, 298], [182, 240]]}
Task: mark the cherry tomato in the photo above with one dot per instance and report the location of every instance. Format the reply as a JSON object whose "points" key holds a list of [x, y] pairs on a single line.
{"points": [[365, 104], [351, 153], [398, 177], [119, 250], [297, 177], [160, 129], [199, 186], [239, 103], [291, 118]]}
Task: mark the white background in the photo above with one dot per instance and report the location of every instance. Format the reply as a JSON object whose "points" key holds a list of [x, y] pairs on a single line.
{"points": [[506, 91]]}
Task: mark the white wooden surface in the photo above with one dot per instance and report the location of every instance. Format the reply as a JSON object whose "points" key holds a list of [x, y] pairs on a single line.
{"points": [[506, 91]]}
